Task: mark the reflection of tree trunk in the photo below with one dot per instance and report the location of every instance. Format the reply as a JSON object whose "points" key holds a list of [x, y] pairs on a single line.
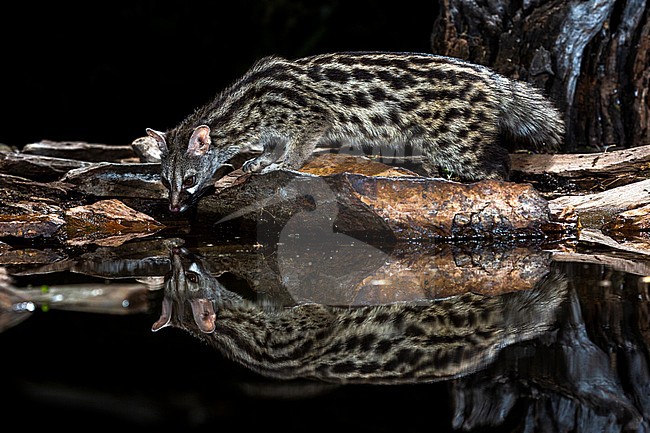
{"points": [[592, 57]]}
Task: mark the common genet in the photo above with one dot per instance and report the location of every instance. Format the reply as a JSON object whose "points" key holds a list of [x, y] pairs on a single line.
{"points": [[458, 115]]}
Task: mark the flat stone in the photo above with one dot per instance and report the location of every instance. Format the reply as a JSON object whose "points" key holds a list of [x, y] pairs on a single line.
{"points": [[80, 150], [42, 168], [137, 180]]}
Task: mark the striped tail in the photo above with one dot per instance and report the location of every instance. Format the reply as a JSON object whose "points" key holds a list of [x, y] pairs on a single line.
{"points": [[529, 117]]}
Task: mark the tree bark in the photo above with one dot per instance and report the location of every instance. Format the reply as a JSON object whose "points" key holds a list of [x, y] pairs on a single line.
{"points": [[592, 57]]}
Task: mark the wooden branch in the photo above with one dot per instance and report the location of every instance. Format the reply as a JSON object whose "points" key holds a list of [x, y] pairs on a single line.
{"points": [[607, 164], [594, 210]]}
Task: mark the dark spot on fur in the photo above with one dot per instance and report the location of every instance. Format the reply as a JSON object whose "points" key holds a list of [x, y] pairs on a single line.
{"points": [[409, 105], [378, 94], [351, 344], [362, 100], [478, 97], [314, 73], [392, 80], [344, 367], [336, 75], [414, 331], [383, 347], [362, 74], [394, 116], [377, 120], [366, 342], [346, 99]]}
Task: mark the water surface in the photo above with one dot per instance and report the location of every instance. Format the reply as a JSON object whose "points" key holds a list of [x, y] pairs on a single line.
{"points": [[197, 332]]}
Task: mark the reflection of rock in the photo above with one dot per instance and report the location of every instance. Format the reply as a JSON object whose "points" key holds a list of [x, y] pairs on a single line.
{"points": [[28, 256], [25, 219], [140, 258], [393, 343], [317, 264]]}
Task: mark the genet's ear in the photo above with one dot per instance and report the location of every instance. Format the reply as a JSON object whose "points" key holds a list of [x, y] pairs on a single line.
{"points": [[204, 315], [159, 137], [165, 316], [199, 141]]}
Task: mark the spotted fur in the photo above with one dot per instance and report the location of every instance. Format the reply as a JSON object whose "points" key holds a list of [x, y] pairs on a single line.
{"points": [[457, 114], [429, 340]]}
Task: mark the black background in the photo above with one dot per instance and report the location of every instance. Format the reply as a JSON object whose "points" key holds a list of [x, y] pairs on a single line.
{"points": [[103, 72]]}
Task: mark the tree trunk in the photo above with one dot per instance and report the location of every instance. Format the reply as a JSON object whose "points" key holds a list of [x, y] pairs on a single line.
{"points": [[592, 57]]}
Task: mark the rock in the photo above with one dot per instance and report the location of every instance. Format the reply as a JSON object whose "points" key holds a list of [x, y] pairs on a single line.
{"points": [[25, 219], [141, 180], [16, 188], [36, 167], [107, 222], [147, 149], [80, 150]]}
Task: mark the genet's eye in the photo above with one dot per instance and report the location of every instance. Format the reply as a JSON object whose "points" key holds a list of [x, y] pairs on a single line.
{"points": [[189, 181], [192, 277], [165, 182]]}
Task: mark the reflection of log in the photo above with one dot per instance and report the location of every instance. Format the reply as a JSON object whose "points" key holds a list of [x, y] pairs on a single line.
{"points": [[587, 388], [334, 269], [400, 342]]}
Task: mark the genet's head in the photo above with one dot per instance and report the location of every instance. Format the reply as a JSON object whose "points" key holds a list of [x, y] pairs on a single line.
{"points": [[187, 165]]}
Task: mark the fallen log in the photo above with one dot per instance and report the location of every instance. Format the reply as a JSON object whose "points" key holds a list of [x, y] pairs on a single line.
{"points": [[595, 210], [402, 207], [369, 197]]}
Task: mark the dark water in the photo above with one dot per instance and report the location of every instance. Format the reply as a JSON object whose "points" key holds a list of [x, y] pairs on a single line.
{"points": [[306, 334]]}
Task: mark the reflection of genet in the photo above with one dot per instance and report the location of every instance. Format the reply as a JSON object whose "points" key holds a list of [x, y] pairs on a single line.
{"points": [[392, 343]]}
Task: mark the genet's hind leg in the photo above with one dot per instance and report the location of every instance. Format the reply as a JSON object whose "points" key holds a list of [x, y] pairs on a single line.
{"points": [[472, 159], [496, 164], [301, 150]]}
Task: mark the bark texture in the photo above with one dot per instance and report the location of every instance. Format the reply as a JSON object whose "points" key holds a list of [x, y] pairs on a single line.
{"points": [[592, 57]]}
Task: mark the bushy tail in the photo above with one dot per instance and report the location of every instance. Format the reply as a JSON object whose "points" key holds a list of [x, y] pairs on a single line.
{"points": [[529, 117]]}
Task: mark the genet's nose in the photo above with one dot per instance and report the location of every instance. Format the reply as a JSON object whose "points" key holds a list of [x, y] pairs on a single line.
{"points": [[174, 209]]}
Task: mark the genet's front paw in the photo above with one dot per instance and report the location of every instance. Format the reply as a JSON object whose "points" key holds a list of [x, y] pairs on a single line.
{"points": [[272, 167], [261, 164], [251, 166]]}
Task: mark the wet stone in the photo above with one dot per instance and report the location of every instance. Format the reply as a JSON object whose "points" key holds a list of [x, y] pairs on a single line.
{"points": [[29, 220], [107, 222], [403, 207]]}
